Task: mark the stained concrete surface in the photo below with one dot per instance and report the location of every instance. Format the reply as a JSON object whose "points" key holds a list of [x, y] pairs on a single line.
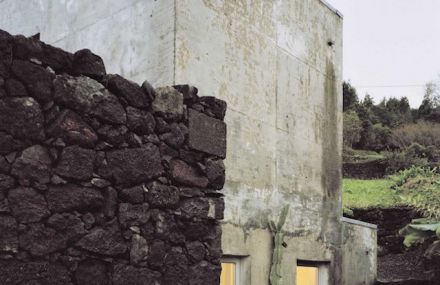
{"points": [[359, 261], [278, 66]]}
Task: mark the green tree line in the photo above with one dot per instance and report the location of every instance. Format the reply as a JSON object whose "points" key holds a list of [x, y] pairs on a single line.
{"points": [[371, 126]]}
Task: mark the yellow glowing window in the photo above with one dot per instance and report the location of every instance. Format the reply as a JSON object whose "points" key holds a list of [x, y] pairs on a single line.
{"points": [[307, 275], [228, 274]]}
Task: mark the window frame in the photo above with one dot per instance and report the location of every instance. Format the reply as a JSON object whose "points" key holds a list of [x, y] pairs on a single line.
{"points": [[322, 266], [237, 261]]}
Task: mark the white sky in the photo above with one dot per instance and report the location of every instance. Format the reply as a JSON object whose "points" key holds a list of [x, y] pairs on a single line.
{"points": [[391, 43]]}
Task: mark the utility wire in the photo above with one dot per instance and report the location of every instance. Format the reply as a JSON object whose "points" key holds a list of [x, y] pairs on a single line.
{"points": [[390, 86]]}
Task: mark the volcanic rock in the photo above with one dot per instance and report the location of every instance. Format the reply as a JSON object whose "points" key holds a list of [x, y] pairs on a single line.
{"points": [[168, 103], [207, 134], [105, 240], [8, 234], [15, 88], [130, 275], [133, 215], [72, 129], [185, 174], [71, 197], [40, 240], [92, 272], [139, 249], [76, 163], [86, 95], [162, 195], [87, 63], [35, 272], [37, 79], [27, 205], [134, 166], [215, 171], [33, 165], [21, 118], [140, 121], [134, 195], [129, 90]]}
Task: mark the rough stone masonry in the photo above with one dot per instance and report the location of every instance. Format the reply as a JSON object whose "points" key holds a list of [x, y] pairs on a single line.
{"points": [[103, 181]]}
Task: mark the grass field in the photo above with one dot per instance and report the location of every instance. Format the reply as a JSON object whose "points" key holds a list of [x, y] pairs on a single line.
{"points": [[351, 155], [359, 193]]}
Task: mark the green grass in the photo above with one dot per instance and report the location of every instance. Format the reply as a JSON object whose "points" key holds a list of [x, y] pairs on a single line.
{"points": [[359, 193], [352, 155]]}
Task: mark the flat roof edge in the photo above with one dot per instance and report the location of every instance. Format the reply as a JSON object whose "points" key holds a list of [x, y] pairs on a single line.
{"points": [[359, 223], [333, 9]]}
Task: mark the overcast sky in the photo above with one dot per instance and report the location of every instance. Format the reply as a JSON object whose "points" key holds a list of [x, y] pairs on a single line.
{"points": [[391, 43]]}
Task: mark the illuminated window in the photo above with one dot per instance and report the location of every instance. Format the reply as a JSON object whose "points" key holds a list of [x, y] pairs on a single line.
{"points": [[230, 271], [311, 273], [307, 275]]}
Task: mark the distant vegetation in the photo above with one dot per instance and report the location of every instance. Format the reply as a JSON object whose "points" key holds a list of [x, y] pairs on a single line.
{"points": [[418, 187], [391, 130], [408, 141]]}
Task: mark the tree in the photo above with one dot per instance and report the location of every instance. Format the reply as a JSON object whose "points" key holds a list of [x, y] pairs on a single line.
{"points": [[366, 134], [392, 112], [405, 110], [368, 101], [352, 128], [430, 107], [432, 92], [425, 108], [404, 107], [401, 111], [349, 96]]}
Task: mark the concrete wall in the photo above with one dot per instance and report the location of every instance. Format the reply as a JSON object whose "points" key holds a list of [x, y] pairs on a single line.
{"points": [[278, 66], [270, 60], [134, 37], [359, 260]]}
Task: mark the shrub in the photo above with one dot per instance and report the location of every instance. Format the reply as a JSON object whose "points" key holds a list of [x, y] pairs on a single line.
{"points": [[433, 154], [422, 132], [380, 137], [403, 159], [403, 176], [420, 188], [419, 230]]}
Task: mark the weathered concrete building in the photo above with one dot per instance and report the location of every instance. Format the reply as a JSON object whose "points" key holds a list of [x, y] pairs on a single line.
{"points": [[278, 66]]}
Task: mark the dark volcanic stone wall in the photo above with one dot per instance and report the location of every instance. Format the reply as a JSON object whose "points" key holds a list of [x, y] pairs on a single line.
{"points": [[365, 169], [103, 181], [398, 265]]}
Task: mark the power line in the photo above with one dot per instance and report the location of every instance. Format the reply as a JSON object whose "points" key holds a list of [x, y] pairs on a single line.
{"points": [[391, 86]]}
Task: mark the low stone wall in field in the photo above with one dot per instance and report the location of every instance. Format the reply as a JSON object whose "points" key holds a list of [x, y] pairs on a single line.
{"points": [[365, 169], [103, 181], [397, 264]]}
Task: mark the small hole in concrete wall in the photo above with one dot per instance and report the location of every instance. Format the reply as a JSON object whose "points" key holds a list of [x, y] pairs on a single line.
{"points": [[330, 43]]}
